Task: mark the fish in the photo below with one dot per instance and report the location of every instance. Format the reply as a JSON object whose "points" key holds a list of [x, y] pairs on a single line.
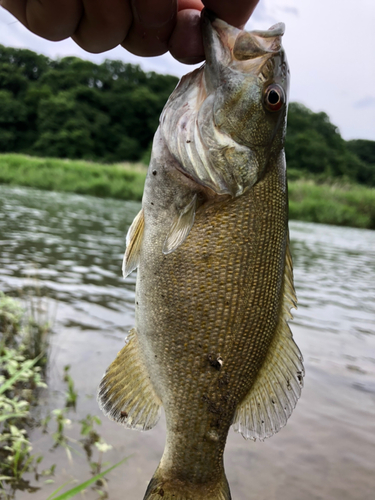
{"points": [[211, 342]]}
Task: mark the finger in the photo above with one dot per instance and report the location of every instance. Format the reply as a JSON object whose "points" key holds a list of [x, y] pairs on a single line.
{"points": [[51, 19], [185, 43], [154, 13], [104, 25], [148, 42], [153, 24], [234, 12]]}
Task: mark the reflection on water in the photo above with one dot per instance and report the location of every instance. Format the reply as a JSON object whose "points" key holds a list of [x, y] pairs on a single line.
{"points": [[335, 277], [74, 245]]}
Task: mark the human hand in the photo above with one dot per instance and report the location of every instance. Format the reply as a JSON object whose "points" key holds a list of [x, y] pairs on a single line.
{"points": [[144, 27]]}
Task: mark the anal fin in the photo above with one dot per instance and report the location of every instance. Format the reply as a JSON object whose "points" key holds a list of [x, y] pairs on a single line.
{"points": [[133, 244], [275, 392], [126, 394]]}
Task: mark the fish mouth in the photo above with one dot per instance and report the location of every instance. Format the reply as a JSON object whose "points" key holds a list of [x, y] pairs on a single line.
{"points": [[225, 43]]}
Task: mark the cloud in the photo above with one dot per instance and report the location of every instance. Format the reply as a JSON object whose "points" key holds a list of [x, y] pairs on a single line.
{"points": [[366, 102]]}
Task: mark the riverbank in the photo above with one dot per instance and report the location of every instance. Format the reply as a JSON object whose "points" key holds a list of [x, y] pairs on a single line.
{"points": [[120, 181], [338, 203]]}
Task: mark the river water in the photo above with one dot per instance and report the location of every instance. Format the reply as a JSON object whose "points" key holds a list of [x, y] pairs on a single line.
{"points": [[71, 247]]}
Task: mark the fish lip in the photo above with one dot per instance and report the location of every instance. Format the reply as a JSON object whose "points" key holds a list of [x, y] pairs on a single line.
{"points": [[224, 43], [277, 29]]}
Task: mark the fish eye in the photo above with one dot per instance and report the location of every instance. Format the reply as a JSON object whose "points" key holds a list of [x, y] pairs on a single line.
{"points": [[274, 97]]}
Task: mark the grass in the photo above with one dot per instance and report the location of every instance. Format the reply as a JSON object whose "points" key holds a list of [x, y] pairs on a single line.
{"points": [[123, 181], [332, 203], [329, 201]]}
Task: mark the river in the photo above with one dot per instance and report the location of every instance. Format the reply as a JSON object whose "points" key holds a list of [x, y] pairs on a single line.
{"points": [[71, 247]]}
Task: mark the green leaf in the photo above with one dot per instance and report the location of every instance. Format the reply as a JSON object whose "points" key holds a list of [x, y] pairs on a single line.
{"points": [[11, 415], [72, 492], [26, 366], [58, 489]]}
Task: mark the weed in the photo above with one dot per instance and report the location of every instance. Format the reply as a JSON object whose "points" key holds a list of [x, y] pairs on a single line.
{"points": [[21, 379], [71, 395]]}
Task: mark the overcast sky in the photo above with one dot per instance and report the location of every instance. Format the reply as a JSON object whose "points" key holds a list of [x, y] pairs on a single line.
{"points": [[330, 46]]}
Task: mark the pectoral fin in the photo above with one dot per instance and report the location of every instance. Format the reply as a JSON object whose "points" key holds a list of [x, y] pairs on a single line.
{"points": [[181, 227], [274, 395], [126, 394], [133, 244]]}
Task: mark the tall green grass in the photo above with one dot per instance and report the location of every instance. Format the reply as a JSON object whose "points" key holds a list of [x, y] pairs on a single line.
{"points": [[336, 203], [124, 181], [313, 200]]}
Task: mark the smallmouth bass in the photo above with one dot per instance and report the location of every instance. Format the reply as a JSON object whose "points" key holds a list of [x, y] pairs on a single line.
{"points": [[211, 343]]}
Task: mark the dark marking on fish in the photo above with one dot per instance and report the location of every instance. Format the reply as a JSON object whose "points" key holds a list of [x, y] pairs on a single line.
{"points": [[124, 414], [215, 361]]}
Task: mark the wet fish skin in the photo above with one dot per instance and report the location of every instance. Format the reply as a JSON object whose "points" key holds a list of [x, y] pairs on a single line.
{"points": [[214, 284]]}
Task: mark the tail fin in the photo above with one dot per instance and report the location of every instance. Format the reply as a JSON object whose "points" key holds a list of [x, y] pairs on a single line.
{"points": [[161, 488]]}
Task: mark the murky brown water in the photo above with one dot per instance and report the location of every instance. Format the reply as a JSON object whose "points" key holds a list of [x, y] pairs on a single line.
{"points": [[75, 246]]}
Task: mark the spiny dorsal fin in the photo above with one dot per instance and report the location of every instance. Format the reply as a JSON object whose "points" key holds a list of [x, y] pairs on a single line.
{"points": [[181, 227], [274, 395], [133, 244], [126, 394]]}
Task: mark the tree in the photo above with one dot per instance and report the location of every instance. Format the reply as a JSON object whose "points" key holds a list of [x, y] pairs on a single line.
{"points": [[72, 108], [12, 120], [315, 146]]}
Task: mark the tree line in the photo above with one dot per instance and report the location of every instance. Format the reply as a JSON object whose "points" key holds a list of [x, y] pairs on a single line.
{"points": [[72, 108]]}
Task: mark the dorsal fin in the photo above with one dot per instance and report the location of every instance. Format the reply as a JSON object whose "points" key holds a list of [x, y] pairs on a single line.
{"points": [[133, 244], [274, 394]]}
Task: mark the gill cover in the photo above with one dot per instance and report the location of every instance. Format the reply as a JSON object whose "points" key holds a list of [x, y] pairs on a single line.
{"points": [[208, 123]]}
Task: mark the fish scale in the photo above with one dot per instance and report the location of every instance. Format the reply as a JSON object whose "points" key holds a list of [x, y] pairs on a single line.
{"points": [[188, 376], [211, 343]]}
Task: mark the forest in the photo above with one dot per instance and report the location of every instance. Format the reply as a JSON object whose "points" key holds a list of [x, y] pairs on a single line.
{"points": [[71, 108]]}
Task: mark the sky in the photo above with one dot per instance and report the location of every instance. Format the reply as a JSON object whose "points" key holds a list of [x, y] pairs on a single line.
{"points": [[330, 47]]}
